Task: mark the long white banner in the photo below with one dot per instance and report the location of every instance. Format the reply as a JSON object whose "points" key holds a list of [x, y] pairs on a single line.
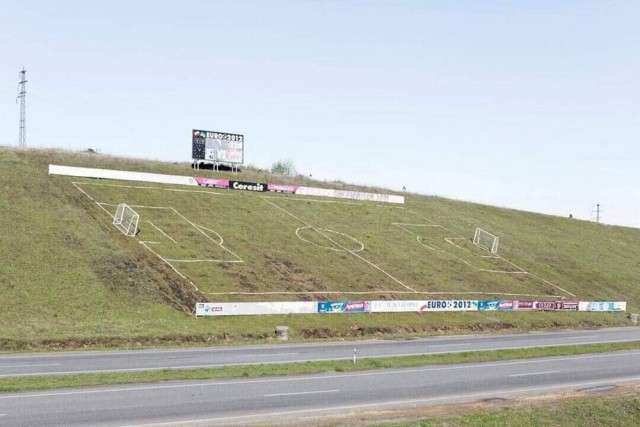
{"points": [[602, 306], [406, 306], [353, 195], [249, 308], [121, 175], [187, 180]]}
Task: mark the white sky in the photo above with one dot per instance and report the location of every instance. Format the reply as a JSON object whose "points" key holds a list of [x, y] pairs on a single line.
{"points": [[531, 105]]}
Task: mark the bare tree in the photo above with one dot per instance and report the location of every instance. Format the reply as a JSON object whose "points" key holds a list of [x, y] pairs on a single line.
{"points": [[284, 167]]}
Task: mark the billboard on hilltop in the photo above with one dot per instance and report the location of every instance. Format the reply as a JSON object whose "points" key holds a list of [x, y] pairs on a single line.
{"points": [[217, 147]]}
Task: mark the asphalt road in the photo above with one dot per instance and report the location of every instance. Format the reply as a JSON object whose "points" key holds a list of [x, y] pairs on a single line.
{"points": [[140, 360], [300, 400]]}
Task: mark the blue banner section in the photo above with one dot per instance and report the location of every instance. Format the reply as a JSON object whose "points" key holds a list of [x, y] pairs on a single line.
{"points": [[488, 305], [344, 306]]}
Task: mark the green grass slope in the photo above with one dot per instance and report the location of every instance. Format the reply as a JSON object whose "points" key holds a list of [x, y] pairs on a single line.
{"points": [[69, 278]]}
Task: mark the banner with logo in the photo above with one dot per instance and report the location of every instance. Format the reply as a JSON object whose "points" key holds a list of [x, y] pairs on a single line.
{"points": [[212, 182], [353, 195], [395, 306], [344, 307], [602, 306], [488, 305], [544, 305], [449, 305], [567, 305], [253, 308], [281, 188], [248, 186]]}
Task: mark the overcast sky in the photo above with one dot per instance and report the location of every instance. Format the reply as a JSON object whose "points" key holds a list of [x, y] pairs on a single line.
{"points": [[532, 105]]}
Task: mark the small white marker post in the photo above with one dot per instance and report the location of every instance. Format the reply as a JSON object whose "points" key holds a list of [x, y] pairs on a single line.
{"points": [[354, 356]]}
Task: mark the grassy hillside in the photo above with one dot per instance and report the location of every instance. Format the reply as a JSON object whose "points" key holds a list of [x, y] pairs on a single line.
{"points": [[68, 277]]}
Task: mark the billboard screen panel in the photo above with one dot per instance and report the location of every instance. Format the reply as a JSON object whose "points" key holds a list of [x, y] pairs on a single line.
{"points": [[217, 146]]}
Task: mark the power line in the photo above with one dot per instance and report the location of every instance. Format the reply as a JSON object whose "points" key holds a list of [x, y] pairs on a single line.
{"points": [[22, 92]]}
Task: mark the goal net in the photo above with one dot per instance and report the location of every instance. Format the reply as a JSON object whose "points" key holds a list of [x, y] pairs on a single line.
{"points": [[486, 240], [126, 220]]}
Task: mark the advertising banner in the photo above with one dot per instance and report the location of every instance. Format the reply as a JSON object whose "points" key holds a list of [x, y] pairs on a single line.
{"points": [[211, 182], [217, 146], [343, 307], [525, 305], [567, 305], [395, 306], [508, 305], [602, 306], [253, 308], [247, 186], [544, 305], [449, 305], [281, 188], [353, 195], [488, 305], [121, 175]]}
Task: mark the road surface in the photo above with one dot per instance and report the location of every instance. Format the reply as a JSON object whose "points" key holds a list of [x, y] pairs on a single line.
{"points": [[140, 360], [300, 400]]}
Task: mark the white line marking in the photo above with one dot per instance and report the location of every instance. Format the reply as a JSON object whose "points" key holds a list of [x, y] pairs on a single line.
{"points": [[318, 230], [206, 235], [82, 191], [214, 232], [27, 366], [205, 260], [313, 200], [140, 187], [382, 356], [361, 248], [534, 373], [301, 393], [306, 378], [583, 336], [239, 419], [394, 292], [165, 234], [267, 355]]}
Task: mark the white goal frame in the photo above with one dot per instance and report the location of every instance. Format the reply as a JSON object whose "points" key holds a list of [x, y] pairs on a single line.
{"points": [[126, 220], [486, 240]]}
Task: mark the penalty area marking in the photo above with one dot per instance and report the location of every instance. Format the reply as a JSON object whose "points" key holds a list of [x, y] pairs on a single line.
{"points": [[147, 244], [165, 234], [520, 270]]}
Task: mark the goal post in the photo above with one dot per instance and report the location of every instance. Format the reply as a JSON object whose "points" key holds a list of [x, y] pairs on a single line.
{"points": [[126, 220], [486, 240]]}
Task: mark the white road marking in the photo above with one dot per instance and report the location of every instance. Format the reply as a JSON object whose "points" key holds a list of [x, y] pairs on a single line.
{"points": [[331, 359], [267, 355], [533, 373], [583, 336], [450, 345], [28, 366], [237, 419], [307, 378], [301, 393]]}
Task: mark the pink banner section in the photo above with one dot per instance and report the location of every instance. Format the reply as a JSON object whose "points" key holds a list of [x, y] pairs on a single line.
{"points": [[211, 182], [280, 188]]}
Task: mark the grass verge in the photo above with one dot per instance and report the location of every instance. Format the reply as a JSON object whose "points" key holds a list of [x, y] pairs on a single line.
{"points": [[18, 384], [583, 411]]}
